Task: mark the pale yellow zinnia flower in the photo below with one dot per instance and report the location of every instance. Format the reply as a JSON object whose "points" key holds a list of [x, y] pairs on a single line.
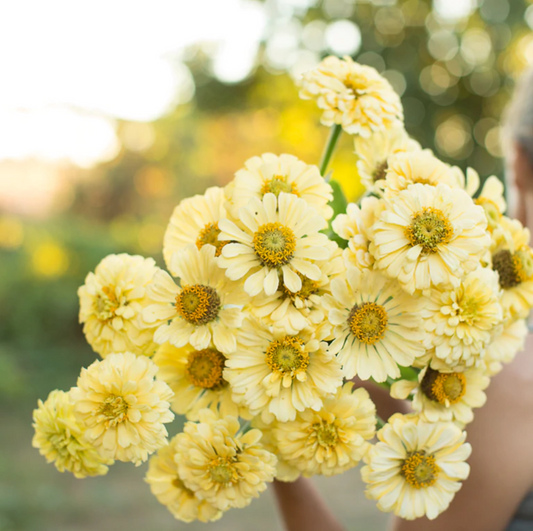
{"points": [[377, 325], [205, 308], [505, 345], [111, 301], [332, 440], [195, 221], [166, 485], [196, 378], [416, 467], [445, 395], [275, 174], [222, 465], [279, 236], [122, 408], [461, 321], [59, 436], [429, 236], [353, 95], [277, 374]]}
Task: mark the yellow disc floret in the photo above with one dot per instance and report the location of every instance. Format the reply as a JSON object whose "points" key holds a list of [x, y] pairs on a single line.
{"points": [[444, 388], [205, 367], [274, 244], [222, 470], [198, 304], [420, 470], [278, 184], [115, 408], [429, 228], [368, 322], [326, 434], [287, 356], [309, 287], [209, 235]]}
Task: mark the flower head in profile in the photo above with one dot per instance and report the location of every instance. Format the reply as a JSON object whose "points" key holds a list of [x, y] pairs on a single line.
{"points": [[167, 486], [416, 467], [275, 174], [280, 236], [122, 408], [205, 308], [221, 465], [429, 236], [111, 301], [377, 325], [353, 95], [195, 221], [60, 438], [196, 378], [444, 395], [332, 440], [276, 374], [462, 321]]}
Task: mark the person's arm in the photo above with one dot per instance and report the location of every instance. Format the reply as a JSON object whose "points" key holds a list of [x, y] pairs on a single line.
{"points": [[302, 507]]}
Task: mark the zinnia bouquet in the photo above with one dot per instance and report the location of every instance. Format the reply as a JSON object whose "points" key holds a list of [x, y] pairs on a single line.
{"points": [[278, 295]]}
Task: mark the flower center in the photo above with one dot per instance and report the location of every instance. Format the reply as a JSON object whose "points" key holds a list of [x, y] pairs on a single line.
{"points": [[381, 170], [368, 322], [326, 434], [209, 235], [491, 211], [287, 355], [198, 304], [223, 471], [115, 408], [274, 244], [309, 287], [205, 367], [278, 184], [429, 228], [444, 388], [420, 470], [106, 303]]}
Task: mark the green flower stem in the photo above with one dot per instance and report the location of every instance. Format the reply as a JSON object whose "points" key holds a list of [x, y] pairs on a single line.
{"points": [[380, 422], [334, 135], [245, 427]]}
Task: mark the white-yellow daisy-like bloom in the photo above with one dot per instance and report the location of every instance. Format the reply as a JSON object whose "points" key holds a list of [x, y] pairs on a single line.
{"points": [[167, 486], [205, 308], [428, 236], [195, 221], [111, 302], [512, 259], [353, 95], [373, 154], [275, 174], [332, 440], [221, 465], [505, 345], [416, 467], [294, 311], [445, 396], [276, 374], [122, 408], [196, 378], [60, 438], [279, 236], [377, 325], [461, 321], [413, 167], [356, 228]]}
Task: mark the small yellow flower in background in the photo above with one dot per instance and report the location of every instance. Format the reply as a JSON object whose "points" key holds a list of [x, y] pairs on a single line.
{"points": [[60, 438], [506, 345], [377, 325], [122, 408], [206, 308], [352, 95], [195, 220], [167, 486], [355, 227], [294, 311], [461, 321], [276, 374], [275, 174], [111, 301], [279, 236], [445, 396], [50, 259], [429, 236], [512, 259], [196, 378], [373, 154], [416, 467], [219, 464], [332, 440]]}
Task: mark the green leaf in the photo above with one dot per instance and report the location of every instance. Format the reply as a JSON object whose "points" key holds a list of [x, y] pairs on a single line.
{"points": [[339, 201]]}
